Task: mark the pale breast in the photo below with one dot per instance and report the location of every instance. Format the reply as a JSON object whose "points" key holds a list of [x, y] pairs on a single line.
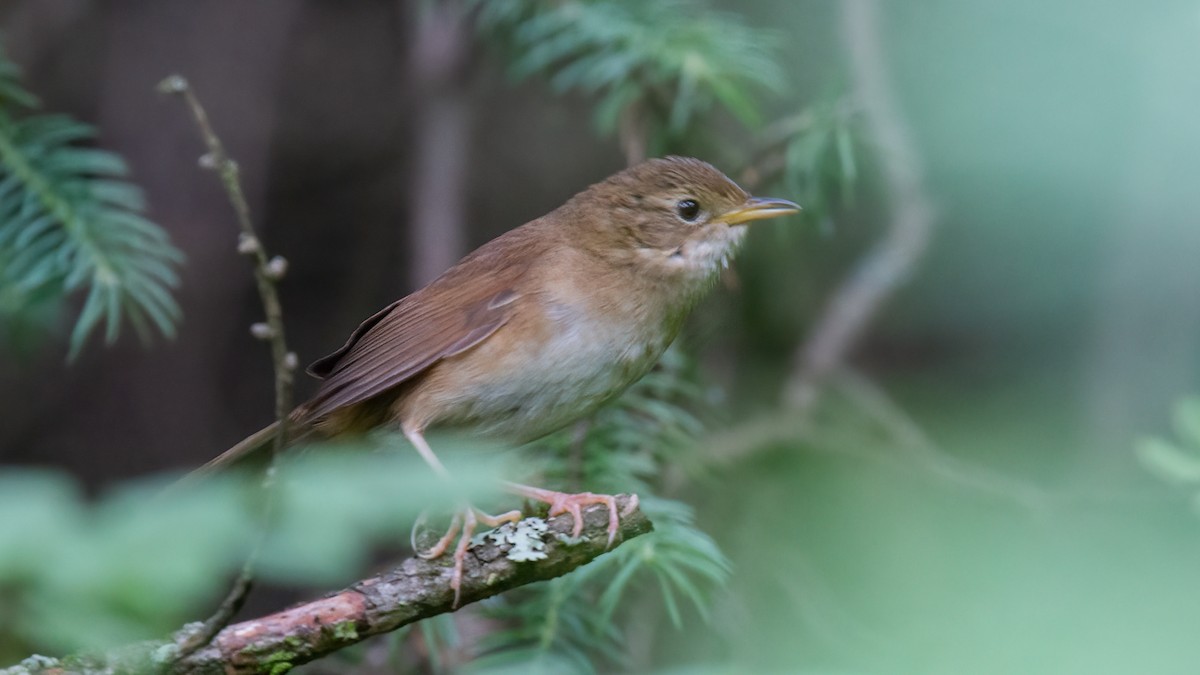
{"points": [[583, 362], [564, 371]]}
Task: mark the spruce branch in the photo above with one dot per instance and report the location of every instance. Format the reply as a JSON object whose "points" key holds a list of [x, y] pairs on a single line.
{"points": [[655, 77], [69, 221], [267, 273]]}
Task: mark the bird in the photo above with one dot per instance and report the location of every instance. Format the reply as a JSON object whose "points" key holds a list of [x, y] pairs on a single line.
{"points": [[537, 328]]}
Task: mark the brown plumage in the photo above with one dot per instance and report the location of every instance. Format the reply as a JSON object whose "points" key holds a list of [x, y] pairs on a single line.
{"points": [[540, 326]]}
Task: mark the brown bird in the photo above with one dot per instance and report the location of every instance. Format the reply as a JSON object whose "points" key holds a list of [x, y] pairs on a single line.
{"points": [[538, 327]]}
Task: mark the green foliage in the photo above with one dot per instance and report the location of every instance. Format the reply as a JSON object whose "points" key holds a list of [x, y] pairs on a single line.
{"points": [[818, 154], [141, 561], [1177, 461], [667, 64], [69, 223]]}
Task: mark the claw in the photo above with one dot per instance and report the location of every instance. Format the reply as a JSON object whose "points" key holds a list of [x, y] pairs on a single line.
{"points": [[630, 506], [562, 502], [496, 521], [464, 523], [442, 544], [462, 526]]}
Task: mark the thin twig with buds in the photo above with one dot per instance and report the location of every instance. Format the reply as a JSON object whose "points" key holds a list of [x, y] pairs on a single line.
{"points": [[267, 273]]}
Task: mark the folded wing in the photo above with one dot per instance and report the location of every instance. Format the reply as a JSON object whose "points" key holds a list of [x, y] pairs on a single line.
{"points": [[453, 314]]}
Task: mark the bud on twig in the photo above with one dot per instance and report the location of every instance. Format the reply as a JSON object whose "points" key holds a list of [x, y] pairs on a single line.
{"points": [[174, 84], [291, 361], [276, 268], [248, 244], [207, 161], [262, 331]]}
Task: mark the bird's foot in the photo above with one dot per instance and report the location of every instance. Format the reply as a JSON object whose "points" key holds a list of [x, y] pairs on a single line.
{"points": [[564, 502], [463, 527]]}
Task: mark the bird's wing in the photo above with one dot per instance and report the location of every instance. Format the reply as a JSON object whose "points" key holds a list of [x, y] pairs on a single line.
{"points": [[458, 311]]}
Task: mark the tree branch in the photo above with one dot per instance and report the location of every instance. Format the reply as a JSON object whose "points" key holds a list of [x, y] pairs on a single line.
{"points": [[892, 260], [416, 589]]}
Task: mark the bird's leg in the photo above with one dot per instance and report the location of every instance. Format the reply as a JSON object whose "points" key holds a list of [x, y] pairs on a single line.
{"points": [[462, 525], [417, 438], [563, 502]]}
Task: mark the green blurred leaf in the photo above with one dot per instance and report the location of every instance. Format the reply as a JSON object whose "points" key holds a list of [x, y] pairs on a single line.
{"points": [[144, 558], [40, 515], [1186, 420], [367, 497], [1168, 460]]}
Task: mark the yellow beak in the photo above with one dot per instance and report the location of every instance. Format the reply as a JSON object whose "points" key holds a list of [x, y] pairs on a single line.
{"points": [[759, 208]]}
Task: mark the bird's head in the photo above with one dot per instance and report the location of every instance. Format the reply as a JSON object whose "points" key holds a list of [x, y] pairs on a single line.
{"points": [[671, 218]]}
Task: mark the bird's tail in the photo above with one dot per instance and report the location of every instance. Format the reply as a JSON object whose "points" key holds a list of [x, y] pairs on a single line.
{"points": [[251, 445], [255, 444]]}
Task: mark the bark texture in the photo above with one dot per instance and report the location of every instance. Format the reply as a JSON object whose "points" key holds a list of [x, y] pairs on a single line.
{"points": [[415, 590]]}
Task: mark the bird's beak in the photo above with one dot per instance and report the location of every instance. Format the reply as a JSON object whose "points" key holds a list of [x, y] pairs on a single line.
{"points": [[758, 208]]}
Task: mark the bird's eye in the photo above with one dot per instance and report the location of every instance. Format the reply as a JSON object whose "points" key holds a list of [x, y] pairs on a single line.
{"points": [[688, 209]]}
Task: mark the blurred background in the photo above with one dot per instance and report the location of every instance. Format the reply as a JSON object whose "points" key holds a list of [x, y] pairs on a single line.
{"points": [[947, 418]]}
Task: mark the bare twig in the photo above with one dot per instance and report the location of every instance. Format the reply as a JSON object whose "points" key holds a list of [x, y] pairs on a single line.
{"points": [[267, 273], [416, 589], [892, 260], [910, 438]]}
